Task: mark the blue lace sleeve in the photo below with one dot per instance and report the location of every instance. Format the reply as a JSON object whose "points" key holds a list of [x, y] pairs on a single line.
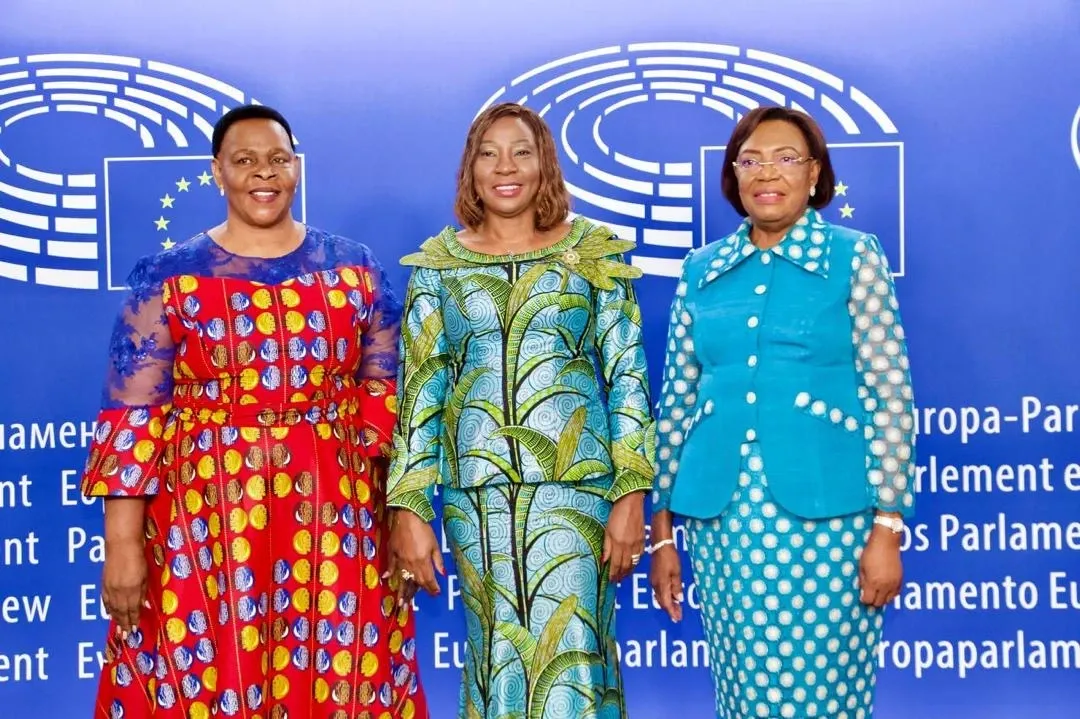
{"points": [[140, 371], [377, 373], [132, 429], [380, 342]]}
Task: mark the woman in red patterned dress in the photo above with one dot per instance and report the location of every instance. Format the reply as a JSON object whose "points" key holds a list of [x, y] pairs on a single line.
{"points": [[241, 451]]}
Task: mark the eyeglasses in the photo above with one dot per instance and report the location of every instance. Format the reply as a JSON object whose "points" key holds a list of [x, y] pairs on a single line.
{"points": [[784, 164]]}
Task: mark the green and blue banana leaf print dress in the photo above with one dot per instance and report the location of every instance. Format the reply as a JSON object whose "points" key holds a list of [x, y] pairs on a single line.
{"points": [[524, 393]]}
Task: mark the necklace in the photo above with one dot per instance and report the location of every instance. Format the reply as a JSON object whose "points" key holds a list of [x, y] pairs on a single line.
{"points": [[512, 253]]}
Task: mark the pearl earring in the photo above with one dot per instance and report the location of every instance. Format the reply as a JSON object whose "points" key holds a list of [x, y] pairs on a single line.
{"points": [[221, 191], [813, 191]]}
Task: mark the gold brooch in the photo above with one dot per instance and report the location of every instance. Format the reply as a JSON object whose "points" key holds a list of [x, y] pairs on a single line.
{"points": [[571, 258]]}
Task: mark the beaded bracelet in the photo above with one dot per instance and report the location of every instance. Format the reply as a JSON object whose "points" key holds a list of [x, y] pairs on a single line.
{"points": [[656, 546]]}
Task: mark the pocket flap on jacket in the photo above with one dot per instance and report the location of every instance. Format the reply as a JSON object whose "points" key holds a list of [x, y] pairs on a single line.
{"points": [[827, 412]]}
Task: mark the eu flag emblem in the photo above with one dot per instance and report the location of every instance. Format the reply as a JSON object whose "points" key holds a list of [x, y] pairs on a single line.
{"points": [[869, 195], [155, 203]]}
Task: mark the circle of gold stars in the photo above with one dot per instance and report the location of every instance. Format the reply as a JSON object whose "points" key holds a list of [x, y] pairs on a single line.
{"points": [[182, 185]]}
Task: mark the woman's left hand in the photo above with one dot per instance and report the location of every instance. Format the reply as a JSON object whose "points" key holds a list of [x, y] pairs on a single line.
{"points": [[624, 537], [880, 567]]}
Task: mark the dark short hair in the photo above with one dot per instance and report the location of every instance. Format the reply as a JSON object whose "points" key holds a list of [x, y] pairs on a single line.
{"points": [[815, 141], [552, 200], [247, 112]]}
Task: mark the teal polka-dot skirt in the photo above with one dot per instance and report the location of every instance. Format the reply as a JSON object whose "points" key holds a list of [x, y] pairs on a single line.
{"points": [[789, 637]]}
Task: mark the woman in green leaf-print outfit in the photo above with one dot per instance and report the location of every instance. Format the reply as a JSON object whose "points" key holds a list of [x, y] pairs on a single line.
{"points": [[524, 391]]}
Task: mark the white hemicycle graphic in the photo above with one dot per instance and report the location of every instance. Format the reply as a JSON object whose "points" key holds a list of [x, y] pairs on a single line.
{"points": [[57, 236], [652, 200], [1076, 137]]}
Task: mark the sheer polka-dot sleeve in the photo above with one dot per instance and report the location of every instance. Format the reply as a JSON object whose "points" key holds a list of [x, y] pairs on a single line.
{"points": [[882, 361], [677, 397]]}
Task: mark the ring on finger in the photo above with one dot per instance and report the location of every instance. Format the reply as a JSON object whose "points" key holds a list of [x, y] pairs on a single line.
{"points": [[635, 558], [407, 575]]}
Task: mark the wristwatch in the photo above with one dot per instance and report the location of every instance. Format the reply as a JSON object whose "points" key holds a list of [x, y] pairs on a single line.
{"points": [[893, 523]]}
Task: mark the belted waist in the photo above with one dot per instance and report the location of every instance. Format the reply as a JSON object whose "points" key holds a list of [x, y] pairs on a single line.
{"points": [[334, 405]]}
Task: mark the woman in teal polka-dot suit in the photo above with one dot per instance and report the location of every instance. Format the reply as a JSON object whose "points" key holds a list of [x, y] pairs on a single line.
{"points": [[785, 437]]}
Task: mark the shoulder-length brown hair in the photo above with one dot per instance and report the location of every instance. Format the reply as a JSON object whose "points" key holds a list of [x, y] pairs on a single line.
{"points": [[815, 141], [552, 201]]}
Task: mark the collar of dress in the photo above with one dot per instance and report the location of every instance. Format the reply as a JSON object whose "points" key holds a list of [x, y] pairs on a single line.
{"points": [[806, 245]]}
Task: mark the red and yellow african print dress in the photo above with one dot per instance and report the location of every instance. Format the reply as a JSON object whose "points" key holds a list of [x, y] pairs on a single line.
{"points": [[246, 399]]}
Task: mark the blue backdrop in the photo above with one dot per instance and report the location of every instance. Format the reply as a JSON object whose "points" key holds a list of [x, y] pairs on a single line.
{"points": [[956, 139]]}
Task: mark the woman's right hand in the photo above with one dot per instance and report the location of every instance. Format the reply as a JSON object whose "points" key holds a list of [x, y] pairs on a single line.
{"points": [[665, 567], [665, 574], [123, 582], [414, 552]]}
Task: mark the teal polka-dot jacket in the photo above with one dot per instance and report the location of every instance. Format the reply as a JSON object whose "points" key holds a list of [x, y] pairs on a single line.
{"points": [[801, 349]]}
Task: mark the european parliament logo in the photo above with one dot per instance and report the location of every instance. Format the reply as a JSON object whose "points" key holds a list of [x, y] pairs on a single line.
{"points": [[641, 131], [103, 159]]}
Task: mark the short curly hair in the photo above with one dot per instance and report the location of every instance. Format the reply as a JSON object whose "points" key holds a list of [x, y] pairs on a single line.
{"points": [[247, 112]]}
